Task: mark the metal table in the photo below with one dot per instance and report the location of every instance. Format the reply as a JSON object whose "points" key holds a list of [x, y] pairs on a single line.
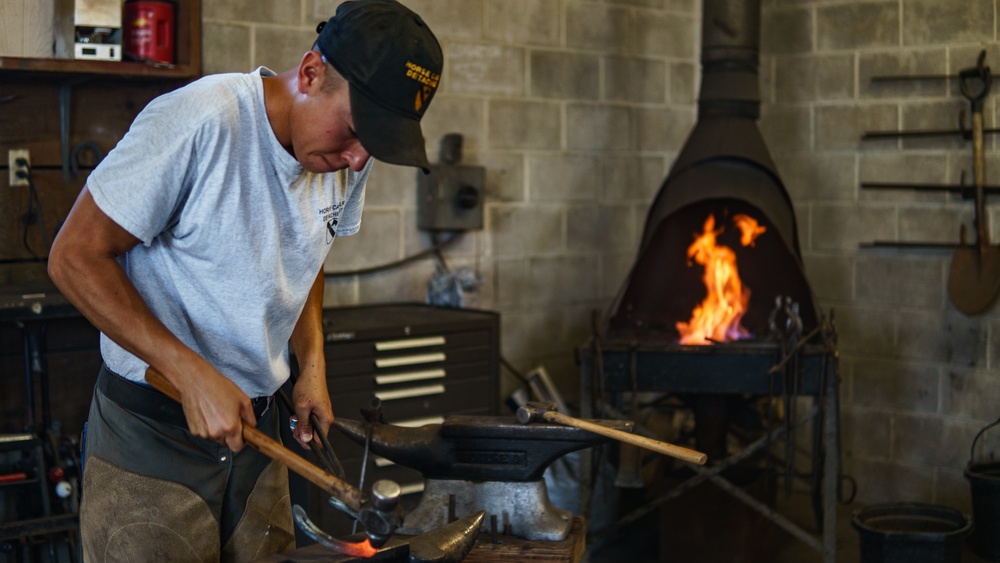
{"points": [[730, 368]]}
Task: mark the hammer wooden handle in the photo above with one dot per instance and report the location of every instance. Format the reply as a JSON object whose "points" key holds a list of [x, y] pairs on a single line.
{"points": [[348, 494], [664, 448]]}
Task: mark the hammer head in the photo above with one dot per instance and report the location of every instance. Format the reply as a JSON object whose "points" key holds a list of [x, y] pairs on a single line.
{"points": [[381, 513], [534, 411]]}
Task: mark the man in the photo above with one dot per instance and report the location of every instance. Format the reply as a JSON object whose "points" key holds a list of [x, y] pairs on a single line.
{"points": [[196, 248]]}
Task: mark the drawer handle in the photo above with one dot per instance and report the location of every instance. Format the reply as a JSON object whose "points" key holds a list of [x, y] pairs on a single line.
{"points": [[410, 360], [409, 376], [410, 392], [410, 343]]}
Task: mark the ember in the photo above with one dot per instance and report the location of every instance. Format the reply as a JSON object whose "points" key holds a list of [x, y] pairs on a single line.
{"points": [[360, 549], [717, 318]]}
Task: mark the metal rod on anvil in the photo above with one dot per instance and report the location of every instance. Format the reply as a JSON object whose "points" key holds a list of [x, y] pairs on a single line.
{"points": [[352, 497]]}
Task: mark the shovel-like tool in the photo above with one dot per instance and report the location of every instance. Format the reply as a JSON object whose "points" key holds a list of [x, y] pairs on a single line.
{"points": [[974, 278], [378, 512]]}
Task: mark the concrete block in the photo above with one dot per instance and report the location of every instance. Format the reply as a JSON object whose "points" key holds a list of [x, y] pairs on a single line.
{"points": [[831, 277], [641, 3], [451, 19], [971, 394], [805, 78], [525, 231], [665, 34], [844, 227], [405, 283], [901, 386], [683, 86], [880, 481], [905, 168], [530, 22], [840, 127], [944, 337], [933, 224], [504, 176], [857, 26], [520, 332], [615, 269], [483, 69], [630, 79], [909, 62], [865, 433], [868, 332], [390, 185], [226, 48], [512, 276], [524, 125], [887, 280], [279, 48], [449, 114], [598, 127], [934, 114], [558, 178], [276, 12], [378, 242], [662, 129], [563, 280], [930, 22], [786, 128], [340, 292], [952, 441], [786, 30], [558, 74], [595, 26], [818, 177], [604, 227], [633, 179], [951, 488]]}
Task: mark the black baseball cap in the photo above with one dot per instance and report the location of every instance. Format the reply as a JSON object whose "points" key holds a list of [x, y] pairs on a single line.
{"points": [[393, 64]]}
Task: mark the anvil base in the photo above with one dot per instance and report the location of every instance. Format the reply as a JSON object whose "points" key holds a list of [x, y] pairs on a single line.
{"points": [[522, 509]]}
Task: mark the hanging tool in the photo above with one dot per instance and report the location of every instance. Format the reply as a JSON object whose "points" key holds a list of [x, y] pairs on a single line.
{"points": [[974, 277], [538, 412], [379, 512]]}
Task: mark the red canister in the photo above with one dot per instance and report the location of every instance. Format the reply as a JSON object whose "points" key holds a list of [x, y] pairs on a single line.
{"points": [[149, 30]]}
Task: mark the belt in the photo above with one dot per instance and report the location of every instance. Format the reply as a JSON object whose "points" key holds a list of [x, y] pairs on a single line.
{"points": [[146, 401]]}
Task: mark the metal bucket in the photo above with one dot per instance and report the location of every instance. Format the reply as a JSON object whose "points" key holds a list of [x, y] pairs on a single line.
{"points": [[984, 481], [911, 533]]}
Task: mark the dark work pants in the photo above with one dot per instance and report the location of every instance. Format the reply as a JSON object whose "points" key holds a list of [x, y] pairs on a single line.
{"points": [[152, 491]]}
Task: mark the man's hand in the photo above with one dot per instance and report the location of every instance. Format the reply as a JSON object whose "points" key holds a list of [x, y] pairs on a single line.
{"points": [[310, 395], [216, 408]]}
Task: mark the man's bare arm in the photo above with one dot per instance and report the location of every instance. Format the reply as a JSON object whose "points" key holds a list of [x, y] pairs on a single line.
{"points": [[83, 264], [310, 394]]}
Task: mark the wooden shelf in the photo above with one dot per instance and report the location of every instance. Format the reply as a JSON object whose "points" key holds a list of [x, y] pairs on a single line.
{"points": [[188, 55]]}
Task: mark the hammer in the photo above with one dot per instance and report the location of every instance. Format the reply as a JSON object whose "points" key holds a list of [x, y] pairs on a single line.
{"points": [[547, 412]]}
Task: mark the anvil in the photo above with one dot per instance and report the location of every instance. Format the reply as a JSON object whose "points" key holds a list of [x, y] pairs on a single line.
{"points": [[474, 463]]}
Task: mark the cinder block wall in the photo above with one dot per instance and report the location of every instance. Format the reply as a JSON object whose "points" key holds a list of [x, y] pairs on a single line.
{"points": [[577, 107], [919, 377]]}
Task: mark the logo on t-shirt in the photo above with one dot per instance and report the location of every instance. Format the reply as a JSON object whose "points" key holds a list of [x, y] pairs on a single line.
{"points": [[331, 215]]}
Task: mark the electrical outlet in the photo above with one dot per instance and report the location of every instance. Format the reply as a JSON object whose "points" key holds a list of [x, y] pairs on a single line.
{"points": [[14, 168]]}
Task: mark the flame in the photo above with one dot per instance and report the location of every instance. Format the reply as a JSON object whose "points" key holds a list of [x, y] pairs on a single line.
{"points": [[717, 318], [363, 549], [749, 229]]}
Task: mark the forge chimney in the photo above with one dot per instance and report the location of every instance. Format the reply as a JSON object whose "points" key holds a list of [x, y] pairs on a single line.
{"points": [[723, 170]]}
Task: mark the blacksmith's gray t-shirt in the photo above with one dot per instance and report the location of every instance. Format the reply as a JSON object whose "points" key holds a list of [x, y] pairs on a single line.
{"points": [[234, 231]]}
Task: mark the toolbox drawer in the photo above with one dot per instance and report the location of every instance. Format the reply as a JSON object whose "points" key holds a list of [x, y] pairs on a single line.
{"points": [[423, 363]]}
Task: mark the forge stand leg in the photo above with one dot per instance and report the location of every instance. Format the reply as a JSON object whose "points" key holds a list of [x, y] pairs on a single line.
{"points": [[831, 471]]}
